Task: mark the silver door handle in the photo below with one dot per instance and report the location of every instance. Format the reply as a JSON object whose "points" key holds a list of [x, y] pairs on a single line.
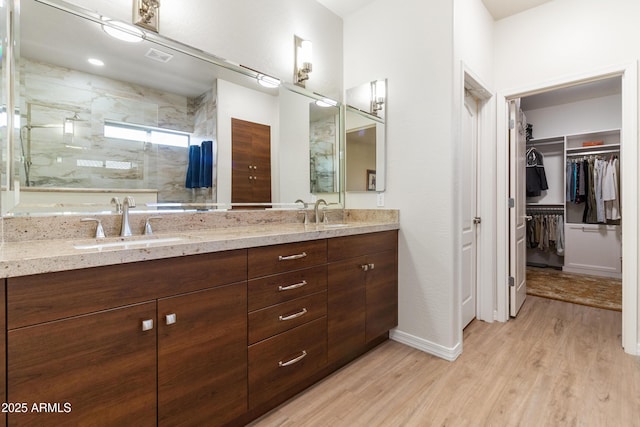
{"points": [[477, 220]]}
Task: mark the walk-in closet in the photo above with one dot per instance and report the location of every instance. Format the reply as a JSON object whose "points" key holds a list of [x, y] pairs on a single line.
{"points": [[574, 228]]}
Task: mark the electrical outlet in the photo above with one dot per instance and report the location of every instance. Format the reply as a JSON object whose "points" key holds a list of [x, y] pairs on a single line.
{"points": [[380, 200]]}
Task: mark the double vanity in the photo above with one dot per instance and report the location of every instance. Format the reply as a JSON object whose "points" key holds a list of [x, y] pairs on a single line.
{"points": [[214, 319]]}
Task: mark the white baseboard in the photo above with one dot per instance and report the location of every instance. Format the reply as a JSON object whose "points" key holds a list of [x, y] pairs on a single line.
{"points": [[421, 344]]}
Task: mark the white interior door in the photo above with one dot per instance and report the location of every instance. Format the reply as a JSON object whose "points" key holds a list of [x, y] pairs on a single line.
{"points": [[517, 208], [469, 207]]}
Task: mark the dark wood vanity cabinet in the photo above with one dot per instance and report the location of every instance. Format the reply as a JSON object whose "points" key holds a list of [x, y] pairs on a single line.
{"points": [[179, 354], [362, 291], [211, 339], [202, 357], [287, 319]]}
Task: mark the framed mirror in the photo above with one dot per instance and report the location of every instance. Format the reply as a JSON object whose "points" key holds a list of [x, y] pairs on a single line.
{"points": [[140, 118], [365, 140]]}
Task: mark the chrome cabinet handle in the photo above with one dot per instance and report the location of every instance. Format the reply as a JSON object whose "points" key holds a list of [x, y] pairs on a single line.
{"points": [[364, 267], [372, 266], [291, 287], [295, 315], [292, 257], [292, 361], [147, 325], [171, 319]]}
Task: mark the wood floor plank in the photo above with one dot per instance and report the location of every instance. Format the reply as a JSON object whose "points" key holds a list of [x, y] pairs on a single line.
{"points": [[557, 364]]}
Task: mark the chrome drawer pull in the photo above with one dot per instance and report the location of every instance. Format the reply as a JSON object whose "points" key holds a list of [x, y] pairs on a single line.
{"points": [[147, 325], [292, 257], [291, 287], [294, 360], [295, 315]]}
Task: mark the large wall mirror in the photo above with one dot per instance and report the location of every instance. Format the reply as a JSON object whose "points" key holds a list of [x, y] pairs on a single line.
{"points": [[103, 108], [365, 137]]}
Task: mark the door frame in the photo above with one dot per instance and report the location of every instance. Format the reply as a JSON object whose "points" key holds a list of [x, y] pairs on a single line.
{"points": [[630, 179], [485, 199]]}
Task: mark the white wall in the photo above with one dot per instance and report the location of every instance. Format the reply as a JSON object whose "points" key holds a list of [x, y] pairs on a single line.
{"points": [[567, 38], [589, 115], [257, 34], [564, 37], [412, 46]]}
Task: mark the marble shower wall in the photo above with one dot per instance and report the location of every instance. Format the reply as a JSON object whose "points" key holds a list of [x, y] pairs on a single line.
{"points": [[87, 159], [322, 147]]}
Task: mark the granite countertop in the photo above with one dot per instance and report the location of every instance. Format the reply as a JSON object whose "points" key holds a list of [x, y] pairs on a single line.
{"points": [[20, 258]]}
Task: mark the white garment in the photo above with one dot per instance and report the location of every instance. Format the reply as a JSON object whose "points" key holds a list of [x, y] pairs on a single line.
{"points": [[560, 235], [610, 190]]}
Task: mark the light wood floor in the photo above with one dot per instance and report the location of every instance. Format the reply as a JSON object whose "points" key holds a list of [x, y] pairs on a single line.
{"points": [[557, 364]]}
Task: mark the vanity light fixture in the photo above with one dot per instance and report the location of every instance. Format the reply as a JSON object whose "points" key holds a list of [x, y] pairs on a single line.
{"points": [[326, 102], [122, 31], [146, 14], [378, 95], [302, 63], [268, 81]]}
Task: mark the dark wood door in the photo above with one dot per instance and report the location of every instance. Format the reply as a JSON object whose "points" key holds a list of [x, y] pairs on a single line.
{"points": [[251, 162], [202, 357], [346, 308], [97, 369]]}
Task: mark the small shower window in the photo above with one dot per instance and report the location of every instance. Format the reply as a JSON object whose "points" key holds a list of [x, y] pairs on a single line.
{"points": [[146, 134]]}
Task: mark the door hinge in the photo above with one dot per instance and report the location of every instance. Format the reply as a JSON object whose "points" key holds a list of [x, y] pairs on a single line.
{"points": [[512, 281], [512, 124], [512, 203]]}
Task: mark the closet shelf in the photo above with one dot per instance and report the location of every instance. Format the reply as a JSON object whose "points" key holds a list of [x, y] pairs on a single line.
{"points": [[546, 141]]}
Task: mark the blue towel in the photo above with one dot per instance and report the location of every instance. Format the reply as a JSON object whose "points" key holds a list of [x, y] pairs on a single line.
{"points": [[193, 169], [206, 163]]}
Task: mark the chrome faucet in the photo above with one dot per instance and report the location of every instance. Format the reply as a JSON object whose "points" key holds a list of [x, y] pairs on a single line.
{"points": [[128, 202], [117, 204], [315, 210]]}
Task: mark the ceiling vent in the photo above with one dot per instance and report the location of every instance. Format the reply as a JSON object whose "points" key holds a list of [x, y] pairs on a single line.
{"points": [[158, 55]]}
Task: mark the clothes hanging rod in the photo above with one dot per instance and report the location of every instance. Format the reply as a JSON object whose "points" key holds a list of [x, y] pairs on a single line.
{"points": [[592, 153]]}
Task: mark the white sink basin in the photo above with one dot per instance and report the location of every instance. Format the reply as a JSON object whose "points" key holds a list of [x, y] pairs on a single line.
{"points": [[131, 243]]}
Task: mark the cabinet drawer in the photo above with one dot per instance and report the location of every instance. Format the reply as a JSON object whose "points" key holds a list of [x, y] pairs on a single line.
{"points": [[351, 246], [287, 257], [282, 362], [275, 289], [50, 296], [282, 317]]}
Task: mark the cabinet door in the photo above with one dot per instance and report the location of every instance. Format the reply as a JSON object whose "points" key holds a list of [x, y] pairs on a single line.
{"points": [[202, 357], [381, 294], [97, 369], [346, 308]]}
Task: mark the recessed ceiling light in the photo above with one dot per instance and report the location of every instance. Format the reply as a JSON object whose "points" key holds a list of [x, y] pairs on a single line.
{"points": [[122, 31], [96, 62]]}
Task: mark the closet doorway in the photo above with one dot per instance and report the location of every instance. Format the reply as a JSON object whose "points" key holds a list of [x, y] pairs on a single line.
{"points": [[583, 130]]}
